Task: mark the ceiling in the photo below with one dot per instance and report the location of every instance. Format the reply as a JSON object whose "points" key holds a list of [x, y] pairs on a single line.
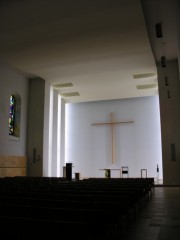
{"points": [[89, 50]]}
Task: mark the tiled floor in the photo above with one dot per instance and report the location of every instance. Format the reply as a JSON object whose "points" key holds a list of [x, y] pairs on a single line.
{"points": [[160, 220]]}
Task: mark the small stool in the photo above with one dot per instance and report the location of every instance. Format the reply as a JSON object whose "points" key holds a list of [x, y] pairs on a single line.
{"points": [[77, 176], [125, 171]]}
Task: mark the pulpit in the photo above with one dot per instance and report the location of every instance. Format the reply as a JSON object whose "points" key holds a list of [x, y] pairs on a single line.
{"points": [[69, 171]]}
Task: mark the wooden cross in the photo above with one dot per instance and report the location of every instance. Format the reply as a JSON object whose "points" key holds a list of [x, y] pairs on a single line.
{"points": [[112, 123]]}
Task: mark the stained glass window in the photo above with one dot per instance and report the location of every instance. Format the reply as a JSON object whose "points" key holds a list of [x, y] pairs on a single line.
{"points": [[14, 116], [12, 113]]}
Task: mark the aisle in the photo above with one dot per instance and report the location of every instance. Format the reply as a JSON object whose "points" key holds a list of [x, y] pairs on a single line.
{"points": [[160, 220]]}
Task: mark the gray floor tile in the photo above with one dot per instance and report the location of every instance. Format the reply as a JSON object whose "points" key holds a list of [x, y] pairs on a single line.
{"points": [[160, 219]]}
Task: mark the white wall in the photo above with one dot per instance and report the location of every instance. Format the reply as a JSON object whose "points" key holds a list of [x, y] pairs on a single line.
{"points": [[138, 145], [11, 81], [47, 139], [53, 137], [57, 135]]}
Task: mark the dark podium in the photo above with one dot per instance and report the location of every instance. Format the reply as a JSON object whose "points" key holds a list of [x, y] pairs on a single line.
{"points": [[69, 171]]}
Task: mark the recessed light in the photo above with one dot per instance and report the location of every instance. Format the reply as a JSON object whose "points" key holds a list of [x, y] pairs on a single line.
{"points": [[144, 75], [70, 94], [146, 86], [62, 85]]}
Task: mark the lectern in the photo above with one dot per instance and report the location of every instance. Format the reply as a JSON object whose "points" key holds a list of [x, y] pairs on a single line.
{"points": [[69, 171]]}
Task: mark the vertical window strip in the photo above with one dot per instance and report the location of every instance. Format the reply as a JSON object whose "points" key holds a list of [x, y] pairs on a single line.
{"points": [[12, 106]]}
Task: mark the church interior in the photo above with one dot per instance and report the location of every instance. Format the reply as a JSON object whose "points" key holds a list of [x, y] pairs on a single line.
{"points": [[89, 113]]}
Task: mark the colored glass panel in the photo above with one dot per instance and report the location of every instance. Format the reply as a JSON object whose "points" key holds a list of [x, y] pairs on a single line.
{"points": [[12, 105]]}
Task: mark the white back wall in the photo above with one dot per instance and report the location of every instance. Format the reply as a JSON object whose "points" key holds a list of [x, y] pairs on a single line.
{"points": [[137, 145]]}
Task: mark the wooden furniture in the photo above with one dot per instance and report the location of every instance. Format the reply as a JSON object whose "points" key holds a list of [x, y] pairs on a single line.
{"points": [[69, 171], [11, 166], [77, 176], [108, 171], [112, 123], [125, 171], [103, 208], [143, 173]]}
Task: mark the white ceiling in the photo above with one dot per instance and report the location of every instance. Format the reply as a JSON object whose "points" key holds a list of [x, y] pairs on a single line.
{"points": [[96, 45]]}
